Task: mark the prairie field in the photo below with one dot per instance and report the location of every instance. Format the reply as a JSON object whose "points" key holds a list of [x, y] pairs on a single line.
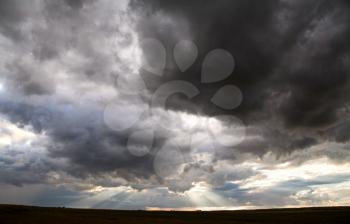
{"points": [[31, 214]]}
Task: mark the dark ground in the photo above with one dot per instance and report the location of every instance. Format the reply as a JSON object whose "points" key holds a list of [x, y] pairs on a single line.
{"points": [[37, 215]]}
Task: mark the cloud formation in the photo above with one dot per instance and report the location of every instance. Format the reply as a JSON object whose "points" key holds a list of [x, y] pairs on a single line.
{"points": [[72, 78]]}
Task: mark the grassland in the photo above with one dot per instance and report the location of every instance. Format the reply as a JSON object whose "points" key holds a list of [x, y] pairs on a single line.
{"points": [[38, 215]]}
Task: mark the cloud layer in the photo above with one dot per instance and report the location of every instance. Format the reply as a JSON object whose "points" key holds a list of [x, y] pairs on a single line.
{"points": [[73, 80]]}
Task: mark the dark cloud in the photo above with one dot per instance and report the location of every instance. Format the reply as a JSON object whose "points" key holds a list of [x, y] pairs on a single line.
{"points": [[11, 14], [338, 133], [281, 46]]}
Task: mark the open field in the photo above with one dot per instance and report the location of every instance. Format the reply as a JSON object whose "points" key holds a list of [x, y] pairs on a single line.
{"points": [[29, 214]]}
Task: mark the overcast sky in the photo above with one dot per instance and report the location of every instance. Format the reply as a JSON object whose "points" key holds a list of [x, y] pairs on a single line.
{"points": [[175, 104]]}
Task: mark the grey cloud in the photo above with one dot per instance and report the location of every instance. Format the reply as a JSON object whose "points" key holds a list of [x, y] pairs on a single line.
{"points": [[80, 137], [12, 14], [338, 133]]}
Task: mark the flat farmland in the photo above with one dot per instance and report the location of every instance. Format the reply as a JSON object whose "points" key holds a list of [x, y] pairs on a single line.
{"points": [[31, 214]]}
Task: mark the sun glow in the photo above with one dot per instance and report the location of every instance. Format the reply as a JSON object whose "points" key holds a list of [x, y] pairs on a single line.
{"points": [[269, 177], [202, 196], [10, 134]]}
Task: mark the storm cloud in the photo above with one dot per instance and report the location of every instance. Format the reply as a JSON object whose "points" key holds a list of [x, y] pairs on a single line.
{"points": [[86, 124]]}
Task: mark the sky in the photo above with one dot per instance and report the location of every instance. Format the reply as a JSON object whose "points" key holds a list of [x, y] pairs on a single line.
{"points": [[158, 104]]}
